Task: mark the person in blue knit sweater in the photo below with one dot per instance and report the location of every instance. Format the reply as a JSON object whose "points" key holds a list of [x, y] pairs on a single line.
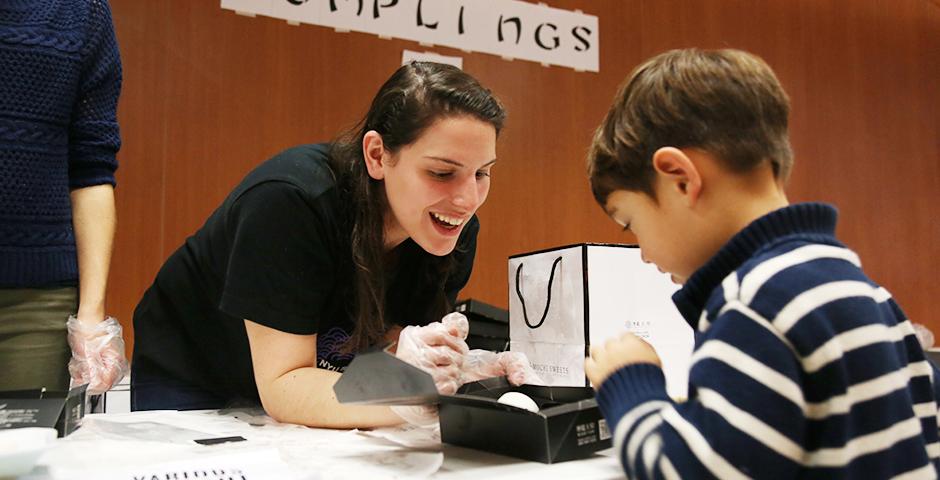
{"points": [[803, 367], [60, 77]]}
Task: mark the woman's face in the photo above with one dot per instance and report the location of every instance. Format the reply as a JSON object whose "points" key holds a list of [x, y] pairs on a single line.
{"points": [[436, 183]]}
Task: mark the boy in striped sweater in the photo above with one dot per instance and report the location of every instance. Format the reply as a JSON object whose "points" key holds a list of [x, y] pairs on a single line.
{"points": [[803, 366]]}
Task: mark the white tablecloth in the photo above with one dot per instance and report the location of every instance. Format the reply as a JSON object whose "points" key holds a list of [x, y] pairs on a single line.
{"points": [[159, 444]]}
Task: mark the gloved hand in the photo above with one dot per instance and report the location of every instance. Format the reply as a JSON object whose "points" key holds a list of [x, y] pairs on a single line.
{"points": [[441, 350], [424, 416], [97, 353], [480, 364], [438, 349]]}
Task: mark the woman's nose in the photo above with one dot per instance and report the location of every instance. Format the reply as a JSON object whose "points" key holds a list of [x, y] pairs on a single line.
{"points": [[467, 195]]}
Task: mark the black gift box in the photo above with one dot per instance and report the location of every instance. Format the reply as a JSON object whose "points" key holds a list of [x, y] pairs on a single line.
{"points": [[489, 325], [933, 354], [43, 408], [568, 426]]}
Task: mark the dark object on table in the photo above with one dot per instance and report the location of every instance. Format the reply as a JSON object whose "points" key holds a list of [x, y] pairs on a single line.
{"points": [[568, 425], [489, 325], [42, 408]]}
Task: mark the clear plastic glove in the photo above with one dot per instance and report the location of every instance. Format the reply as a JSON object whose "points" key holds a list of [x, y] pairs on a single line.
{"points": [[97, 353], [441, 350], [438, 349], [480, 364], [515, 366], [421, 415]]}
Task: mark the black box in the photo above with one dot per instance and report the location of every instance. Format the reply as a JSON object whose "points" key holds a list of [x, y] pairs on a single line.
{"points": [[564, 428], [933, 354], [489, 325], [42, 408], [568, 426], [488, 343]]}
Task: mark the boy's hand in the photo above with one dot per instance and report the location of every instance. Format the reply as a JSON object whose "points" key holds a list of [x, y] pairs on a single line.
{"points": [[617, 353]]}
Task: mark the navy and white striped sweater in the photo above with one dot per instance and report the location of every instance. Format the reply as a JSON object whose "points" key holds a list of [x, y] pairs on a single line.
{"points": [[803, 367]]}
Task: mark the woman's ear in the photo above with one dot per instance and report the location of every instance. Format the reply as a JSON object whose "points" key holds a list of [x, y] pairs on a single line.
{"points": [[678, 173], [373, 151]]}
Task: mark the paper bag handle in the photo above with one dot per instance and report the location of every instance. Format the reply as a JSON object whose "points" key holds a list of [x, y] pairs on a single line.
{"points": [[548, 300]]}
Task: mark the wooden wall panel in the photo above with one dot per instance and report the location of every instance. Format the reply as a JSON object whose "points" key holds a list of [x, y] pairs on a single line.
{"points": [[138, 247], [209, 94]]}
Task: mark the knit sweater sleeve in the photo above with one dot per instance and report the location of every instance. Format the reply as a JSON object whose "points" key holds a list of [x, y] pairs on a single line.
{"points": [[94, 137], [743, 418]]}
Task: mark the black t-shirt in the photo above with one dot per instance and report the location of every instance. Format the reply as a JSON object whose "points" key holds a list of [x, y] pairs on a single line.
{"points": [[276, 252]]}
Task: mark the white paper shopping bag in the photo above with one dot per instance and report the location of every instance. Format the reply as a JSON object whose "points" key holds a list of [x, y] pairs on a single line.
{"points": [[565, 299]]}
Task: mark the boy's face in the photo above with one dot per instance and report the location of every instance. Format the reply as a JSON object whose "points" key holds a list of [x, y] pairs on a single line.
{"points": [[662, 229], [686, 224]]}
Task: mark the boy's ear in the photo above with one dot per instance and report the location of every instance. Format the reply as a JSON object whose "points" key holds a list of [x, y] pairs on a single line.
{"points": [[373, 151], [679, 173]]}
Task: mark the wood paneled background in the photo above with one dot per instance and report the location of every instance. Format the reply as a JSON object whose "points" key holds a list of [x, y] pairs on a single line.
{"points": [[209, 94]]}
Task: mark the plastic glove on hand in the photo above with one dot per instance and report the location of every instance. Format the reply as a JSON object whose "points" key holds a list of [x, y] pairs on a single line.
{"points": [[518, 369], [97, 353], [424, 416], [480, 364], [437, 348], [457, 324]]}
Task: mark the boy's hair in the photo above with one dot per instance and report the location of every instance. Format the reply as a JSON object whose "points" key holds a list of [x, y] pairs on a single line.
{"points": [[725, 102]]}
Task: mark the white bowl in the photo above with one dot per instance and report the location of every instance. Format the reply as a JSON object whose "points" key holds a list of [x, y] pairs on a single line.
{"points": [[21, 447]]}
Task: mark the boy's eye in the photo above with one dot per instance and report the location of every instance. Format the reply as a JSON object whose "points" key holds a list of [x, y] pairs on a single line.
{"points": [[439, 174]]}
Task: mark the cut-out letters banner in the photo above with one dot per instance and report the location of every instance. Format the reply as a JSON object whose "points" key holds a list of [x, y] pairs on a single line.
{"points": [[508, 28]]}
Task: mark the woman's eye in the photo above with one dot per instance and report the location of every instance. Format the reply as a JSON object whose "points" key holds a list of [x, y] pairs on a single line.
{"points": [[440, 175], [483, 174]]}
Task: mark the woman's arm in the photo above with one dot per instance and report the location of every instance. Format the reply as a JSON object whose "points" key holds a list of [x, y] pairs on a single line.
{"points": [[294, 390]]}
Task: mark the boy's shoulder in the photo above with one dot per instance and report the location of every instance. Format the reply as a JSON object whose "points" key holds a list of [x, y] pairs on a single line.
{"points": [[786, 284], [781, 271]]}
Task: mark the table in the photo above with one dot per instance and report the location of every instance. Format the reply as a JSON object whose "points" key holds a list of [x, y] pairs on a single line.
{"points": [[159, 444]]}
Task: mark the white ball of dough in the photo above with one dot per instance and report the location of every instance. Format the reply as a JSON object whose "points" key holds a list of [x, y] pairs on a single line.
{"points": [[519, 400]]}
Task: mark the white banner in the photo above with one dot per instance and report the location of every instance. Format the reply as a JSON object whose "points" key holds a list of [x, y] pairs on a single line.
{"points": [[508, 28]]}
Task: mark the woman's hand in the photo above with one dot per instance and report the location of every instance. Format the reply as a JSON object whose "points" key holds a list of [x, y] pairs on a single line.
{"points": [[437, 348], [480, 364]]}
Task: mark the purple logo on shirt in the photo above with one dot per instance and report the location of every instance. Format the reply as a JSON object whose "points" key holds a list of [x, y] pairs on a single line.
{"points": [[329, 350]]}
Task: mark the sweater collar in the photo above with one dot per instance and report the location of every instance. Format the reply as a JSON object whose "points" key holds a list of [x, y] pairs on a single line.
{"points": [[804, 218]]}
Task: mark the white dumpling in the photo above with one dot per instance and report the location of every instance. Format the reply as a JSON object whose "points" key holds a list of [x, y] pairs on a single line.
{"points": [[519, 400]]}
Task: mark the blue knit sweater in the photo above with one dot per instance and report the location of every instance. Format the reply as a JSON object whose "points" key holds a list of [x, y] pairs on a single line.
{"points": [[803, 368], [60, 77]]}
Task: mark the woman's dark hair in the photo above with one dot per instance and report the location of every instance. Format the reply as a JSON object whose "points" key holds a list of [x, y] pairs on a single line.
{"points": [[411, 100]]}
